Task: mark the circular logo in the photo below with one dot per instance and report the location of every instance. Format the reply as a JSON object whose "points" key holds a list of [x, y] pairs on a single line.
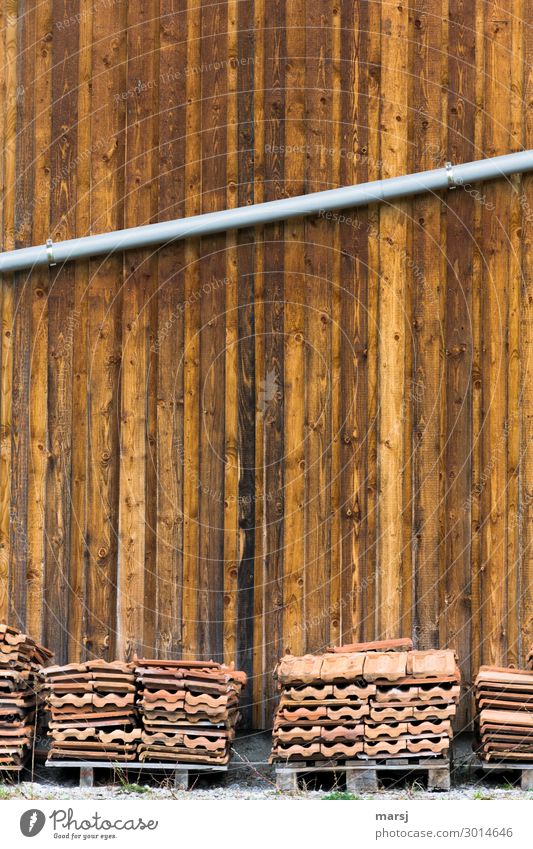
{"points": [[32, 822]]}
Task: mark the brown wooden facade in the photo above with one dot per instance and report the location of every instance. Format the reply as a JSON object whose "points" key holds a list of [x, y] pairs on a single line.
{"points": [[286, 437]]}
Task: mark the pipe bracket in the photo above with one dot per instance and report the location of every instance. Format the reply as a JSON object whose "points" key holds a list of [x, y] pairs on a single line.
{"points": [[50, 253], [449, 173]]}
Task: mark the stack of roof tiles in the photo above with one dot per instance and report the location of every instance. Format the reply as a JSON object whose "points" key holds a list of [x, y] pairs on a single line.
{"points": [[189, 710], [367, 700], [504, 721], [20, 661], [92, 711]]}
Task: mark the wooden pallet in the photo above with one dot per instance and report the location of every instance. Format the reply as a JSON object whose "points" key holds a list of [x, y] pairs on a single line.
{"points": [[362, 775], [181, 772], [526, 770]]}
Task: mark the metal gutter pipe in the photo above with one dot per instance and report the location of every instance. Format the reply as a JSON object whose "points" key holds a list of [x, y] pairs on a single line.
{"points": [[151, 235]]}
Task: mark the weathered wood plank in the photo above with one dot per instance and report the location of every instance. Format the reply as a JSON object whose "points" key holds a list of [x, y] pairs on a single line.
{"points": [[77, 582], [37, 603], [370, 153], [317, 509], [353, 283], [61, 335], [104, 333], [135, 602], [214, 48], [335, 585], [270, 386], [259, 141], [23, 222], [294, 381], [494, 306], [170, 336], [9, 161], [514, 412], [231, 364], [393, 551], [246, 325], [6, 377], [455, 617], [191, 402], [425, 390], [526, 363]]}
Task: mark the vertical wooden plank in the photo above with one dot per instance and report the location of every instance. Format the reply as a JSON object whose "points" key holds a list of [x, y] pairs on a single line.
{"points": [[191, 403], [318, 332], [353, 284], [135, 601], [79, 331], [39, 447], [170, 337], [371, 155], [334, 608], [23, 220], [231, 365], [61, 333], [104, 333], [270, 387], [494, 305], [513, 344], [6, 375], [294, 380], [477, 356], [393, 558], [526, 359], [247, 504], [212, 309], [425, 391], [259, 137], [455, 627], [10, 95]]}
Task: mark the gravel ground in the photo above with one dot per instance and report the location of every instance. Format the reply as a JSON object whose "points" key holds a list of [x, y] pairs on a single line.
{"points": [[250, 777]]}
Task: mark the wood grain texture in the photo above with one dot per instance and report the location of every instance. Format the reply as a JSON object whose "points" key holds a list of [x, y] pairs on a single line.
{"points": [[495, 220], [425, 388], [269, 394], [191, 355], [273, 439], [104, 332], [78, 550], [260, 676], [247, 513], [61, 337], [169, 342], [295, 344], [525, 613], [213, 106], [231, 361], [354, 327], [8, 158], [459, 322], [318, 318], [23, 188], [135, 601], [393, 551]]}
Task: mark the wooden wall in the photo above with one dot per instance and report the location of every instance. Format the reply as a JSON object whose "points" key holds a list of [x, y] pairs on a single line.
{"points": [[281, 438]]}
